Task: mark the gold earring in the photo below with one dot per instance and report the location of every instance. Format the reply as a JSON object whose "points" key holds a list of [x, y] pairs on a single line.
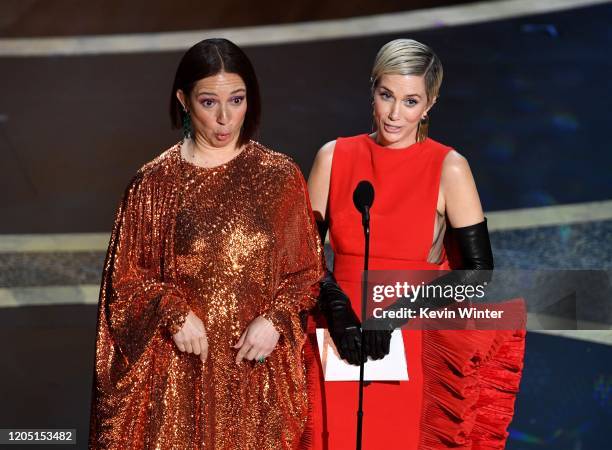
{"points": [[374, 127], [422, 128]]}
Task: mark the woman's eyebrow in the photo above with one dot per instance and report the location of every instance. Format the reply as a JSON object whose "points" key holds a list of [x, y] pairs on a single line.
{"points": [[405, 96], [214, 94]]}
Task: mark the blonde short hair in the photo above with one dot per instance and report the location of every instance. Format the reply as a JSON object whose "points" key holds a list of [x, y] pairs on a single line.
{"points": [[408, 57]]}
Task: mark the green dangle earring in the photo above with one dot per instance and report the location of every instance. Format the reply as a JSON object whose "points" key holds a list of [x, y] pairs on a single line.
{"points": [[187, 128]]}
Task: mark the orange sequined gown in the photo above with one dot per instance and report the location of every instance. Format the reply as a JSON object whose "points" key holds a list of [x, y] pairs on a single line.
{"points": [[230, 243]]}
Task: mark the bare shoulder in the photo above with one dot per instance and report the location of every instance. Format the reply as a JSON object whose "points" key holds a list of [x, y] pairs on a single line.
{"points": [[328, 148], [319, 178], [462, 203], [326, 154], [455, 169]]}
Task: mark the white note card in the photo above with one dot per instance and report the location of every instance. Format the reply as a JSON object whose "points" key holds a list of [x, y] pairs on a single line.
{"points": [[392, 367]]}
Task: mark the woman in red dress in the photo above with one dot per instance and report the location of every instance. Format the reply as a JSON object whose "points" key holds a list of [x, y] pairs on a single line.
{"points": [[462, 384]]}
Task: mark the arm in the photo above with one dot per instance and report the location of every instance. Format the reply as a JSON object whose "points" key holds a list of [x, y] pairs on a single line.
{"points": [[137, 300], [459, 193], [300, 265], [300, 256], [318, 183], [342, 322], [469, 229]]}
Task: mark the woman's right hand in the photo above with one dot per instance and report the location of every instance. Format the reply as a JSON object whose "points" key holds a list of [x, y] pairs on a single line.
{"points": [[191, 338]]}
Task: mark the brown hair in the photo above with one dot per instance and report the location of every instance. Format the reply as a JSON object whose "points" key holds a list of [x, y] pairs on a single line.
{"points": [[208, 58]]}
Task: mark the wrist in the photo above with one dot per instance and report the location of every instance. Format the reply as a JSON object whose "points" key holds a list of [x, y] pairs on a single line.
{"points": [[175, 313], [276, 318]]}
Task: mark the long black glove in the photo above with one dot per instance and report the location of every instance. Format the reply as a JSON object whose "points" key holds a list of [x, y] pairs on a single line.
{"points": [[343, 324], [476, 267]]}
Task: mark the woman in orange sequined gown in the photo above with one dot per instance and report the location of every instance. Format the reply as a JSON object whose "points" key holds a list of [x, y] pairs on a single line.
{"points": [[462, 383], [213, 257]]}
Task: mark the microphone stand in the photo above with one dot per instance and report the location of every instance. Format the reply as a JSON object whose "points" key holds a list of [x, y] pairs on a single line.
{"points": [[365, 221]]}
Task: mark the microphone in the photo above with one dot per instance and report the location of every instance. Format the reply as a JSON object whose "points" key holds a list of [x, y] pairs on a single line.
{"points": [[363, 197]]}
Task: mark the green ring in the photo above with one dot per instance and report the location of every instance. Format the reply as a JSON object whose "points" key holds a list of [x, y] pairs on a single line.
{"points": [[261, 360]]}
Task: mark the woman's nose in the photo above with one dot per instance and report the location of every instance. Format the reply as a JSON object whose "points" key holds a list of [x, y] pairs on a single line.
{"points": [[223, 116], [394, 112]]}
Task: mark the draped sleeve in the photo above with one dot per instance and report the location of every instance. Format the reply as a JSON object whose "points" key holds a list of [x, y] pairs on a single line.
{"points": [[300, 255], [138, 297]]}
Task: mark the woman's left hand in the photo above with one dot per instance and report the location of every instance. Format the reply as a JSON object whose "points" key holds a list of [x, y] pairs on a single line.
{"points": [[257, 341]]}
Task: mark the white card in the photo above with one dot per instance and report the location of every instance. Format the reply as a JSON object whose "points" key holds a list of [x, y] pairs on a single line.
{"points": [[392, 367]]}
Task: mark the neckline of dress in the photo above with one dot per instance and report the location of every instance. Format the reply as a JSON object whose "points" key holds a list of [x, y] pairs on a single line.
{"points": [[226, 164], [401, 150]]}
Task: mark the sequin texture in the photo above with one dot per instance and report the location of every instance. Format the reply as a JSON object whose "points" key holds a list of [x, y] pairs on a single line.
{"points": [[229, 243]]}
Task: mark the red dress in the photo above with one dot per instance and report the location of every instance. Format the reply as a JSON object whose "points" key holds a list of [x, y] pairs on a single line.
{"points": [[463, 383]]}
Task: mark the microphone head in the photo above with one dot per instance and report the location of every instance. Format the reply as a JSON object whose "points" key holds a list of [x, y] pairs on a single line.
{"points": [[363, 196]]}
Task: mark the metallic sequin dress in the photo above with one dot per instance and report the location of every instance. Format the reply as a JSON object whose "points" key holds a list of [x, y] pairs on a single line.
{"points": [[230, 243]]}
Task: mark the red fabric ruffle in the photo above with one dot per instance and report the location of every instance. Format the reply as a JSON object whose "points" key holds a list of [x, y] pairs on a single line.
{"points": [[471, 378]]}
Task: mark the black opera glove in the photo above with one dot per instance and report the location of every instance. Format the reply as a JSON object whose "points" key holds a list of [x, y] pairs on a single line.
{"points": [[376, 343], [343, 324], [476, 269]]}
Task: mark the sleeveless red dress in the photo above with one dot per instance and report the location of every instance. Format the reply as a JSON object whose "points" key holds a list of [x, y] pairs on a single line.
{"points": [[462, 384]]}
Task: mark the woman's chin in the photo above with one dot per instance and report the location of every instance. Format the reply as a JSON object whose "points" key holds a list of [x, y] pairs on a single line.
{"points": [[392, 139]]}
